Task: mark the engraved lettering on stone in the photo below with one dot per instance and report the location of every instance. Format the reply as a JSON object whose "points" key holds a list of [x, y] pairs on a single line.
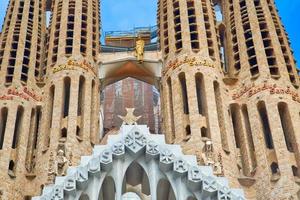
{"points": [[195, 174], [70, 184], [94, 165], [181, 166], [81, 175], [106, 157], [58, 194]]}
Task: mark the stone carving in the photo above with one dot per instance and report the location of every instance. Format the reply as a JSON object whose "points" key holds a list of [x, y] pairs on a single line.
{"points": [[58, 193], [94, 165], [135, 142], [106, 159], [152, 148], [209, 185], [209, 158], [172, 164], [74, 64], [191, 61], [181, 167], [166, 156], [62, 163], [82, 174], [166, 160], [129, 118], [224, 193], [139, 49], [70, 184], [195, 174], [252, 90], [23, 93], [118, 149]]}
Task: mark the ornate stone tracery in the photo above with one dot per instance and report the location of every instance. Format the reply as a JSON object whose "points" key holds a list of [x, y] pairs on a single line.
{"points": [[136, 145]]}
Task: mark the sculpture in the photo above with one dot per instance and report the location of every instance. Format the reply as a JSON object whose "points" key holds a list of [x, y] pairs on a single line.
{"points": [[129, 118], [209, 158], [62, 163], [139, 49]]}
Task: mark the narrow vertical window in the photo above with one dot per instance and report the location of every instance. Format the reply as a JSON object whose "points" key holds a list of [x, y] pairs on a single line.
{"points": [[81, 95], [84, 19], [204, 132], [70, 28], [37, 125], [193, 25], [67, 85], [265, 124], [188, 131], [219, 105], [64, 133], [51, 104], [184, 94], [274, 168], [31, 142], [170, 95], [18, 125], [93, 96], [200, 93], [287, 126], [237, 124], [249, 136], [3, 121], [177, 25]]}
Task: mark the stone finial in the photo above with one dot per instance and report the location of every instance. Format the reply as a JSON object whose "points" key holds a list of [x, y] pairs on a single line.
{"points": [[129, 118]]}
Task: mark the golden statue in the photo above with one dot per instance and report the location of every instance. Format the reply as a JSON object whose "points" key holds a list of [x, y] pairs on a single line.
{"points": [[139, 49]]}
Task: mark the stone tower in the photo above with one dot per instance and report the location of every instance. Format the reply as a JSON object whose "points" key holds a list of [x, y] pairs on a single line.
{"points": [[21, 55], [70, 122], [229, 92], [234, 83], [265, 99]]}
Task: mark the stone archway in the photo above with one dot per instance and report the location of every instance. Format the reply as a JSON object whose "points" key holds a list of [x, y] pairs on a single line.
{"points": [[134, 146], [112, 69]]}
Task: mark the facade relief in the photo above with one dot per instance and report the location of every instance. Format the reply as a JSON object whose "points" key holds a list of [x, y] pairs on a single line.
{"points": [[253, 89], [73, 64], [20, 92], [191, 61], [208, 157]]}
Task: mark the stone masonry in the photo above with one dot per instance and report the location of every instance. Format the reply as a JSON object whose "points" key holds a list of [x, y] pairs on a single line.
{"points": [[229, 91]]}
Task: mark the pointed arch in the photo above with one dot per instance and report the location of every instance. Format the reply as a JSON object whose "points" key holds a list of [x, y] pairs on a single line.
{"points": [[136, 175], [108, 189], [165, 190]]}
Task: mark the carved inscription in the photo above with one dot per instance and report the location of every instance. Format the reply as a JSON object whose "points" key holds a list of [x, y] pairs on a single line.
{"points": [[251, 90], [191, 61], [23, 93], [73, 64]]}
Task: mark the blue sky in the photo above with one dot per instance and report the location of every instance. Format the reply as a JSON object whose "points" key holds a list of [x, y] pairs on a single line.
{"points": [[126, 14]]}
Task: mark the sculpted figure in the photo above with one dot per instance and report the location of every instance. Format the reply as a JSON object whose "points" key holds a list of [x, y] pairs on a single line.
{"points": [[209, 158], [139, 49], [62, 163]]}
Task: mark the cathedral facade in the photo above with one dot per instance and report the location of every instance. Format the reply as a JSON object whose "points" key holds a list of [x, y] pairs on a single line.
{"points": [[229, 95]]}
